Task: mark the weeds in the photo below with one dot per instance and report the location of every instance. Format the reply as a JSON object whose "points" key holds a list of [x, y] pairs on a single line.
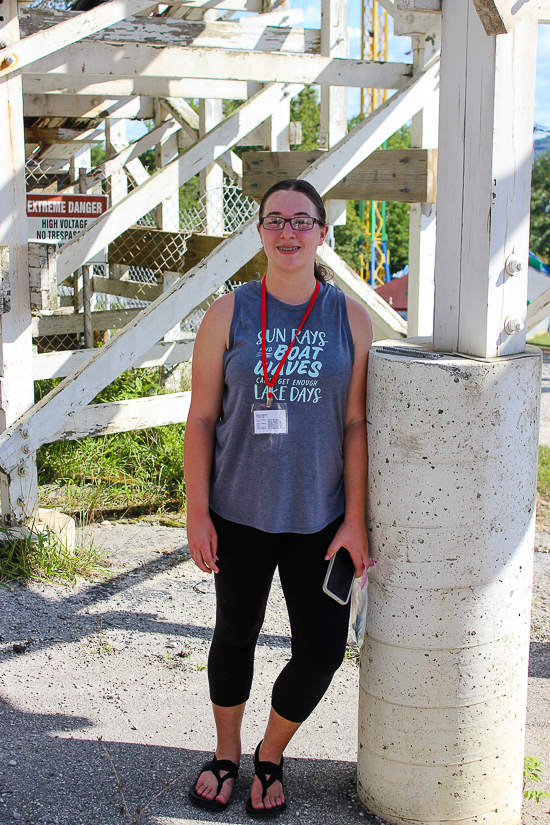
{"points": [[134, 473], [103, 645], [140, 810], [41, 555], [353, 653], [532, 773]]}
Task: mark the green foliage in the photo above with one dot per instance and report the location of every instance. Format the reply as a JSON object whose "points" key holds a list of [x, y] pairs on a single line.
{"points": [[141, 470], [40, 555], [540, 208], [543, 477], [532, 774], [148, 160], [97, 154], [305, 107]]}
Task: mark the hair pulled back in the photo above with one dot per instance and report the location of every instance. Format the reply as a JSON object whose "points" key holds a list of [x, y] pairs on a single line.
{"points": [[322, 273]]}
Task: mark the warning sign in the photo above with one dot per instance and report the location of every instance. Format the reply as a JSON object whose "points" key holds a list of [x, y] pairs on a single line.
{"points": [[58, 218]]}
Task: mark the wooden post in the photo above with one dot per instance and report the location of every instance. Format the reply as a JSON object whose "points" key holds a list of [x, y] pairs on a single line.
{"points": [[211, 177], [334, 123], [19, 488], [486, 143], [167, 212], [420, 301]]}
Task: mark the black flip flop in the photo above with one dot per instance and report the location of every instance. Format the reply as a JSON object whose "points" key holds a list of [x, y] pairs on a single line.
{"points": [[262, 770], [214, 766]]}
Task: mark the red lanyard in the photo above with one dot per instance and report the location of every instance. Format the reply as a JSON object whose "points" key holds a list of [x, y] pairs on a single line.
{"points": [[271, 382]]}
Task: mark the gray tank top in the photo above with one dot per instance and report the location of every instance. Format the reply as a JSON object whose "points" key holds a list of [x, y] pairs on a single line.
{"points": [[284, 483]]}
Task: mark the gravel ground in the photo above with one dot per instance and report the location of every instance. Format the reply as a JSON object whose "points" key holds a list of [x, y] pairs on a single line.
{"points": [[125, 660]]}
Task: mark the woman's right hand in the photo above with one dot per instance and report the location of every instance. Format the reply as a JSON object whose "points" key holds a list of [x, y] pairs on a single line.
{"points": [[203, 542]]}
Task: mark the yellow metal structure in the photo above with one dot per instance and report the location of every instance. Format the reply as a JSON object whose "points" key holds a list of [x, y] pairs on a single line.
{"points": [[374, 46]]}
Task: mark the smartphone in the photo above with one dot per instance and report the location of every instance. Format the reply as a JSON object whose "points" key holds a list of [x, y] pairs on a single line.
{"points": [[340, 575]]}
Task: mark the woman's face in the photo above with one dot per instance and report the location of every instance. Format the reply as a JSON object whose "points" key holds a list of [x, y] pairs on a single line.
{"points": [[286, 248]]}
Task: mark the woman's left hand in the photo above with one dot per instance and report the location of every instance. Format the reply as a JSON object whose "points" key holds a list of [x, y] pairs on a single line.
{"points": [[353, 536]]}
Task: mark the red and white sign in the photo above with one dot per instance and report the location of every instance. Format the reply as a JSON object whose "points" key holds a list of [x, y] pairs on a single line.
{"points": [[58, 218]]}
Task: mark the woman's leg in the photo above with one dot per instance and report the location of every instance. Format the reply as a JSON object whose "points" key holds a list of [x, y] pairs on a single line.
{"points": [[228, 729], [319, 627], [246, 562]]}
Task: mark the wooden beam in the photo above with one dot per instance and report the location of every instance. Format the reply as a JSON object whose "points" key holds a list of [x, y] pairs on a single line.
{"points": [[42, 277], [61, 364], [165, 32], [66, 32], [126, 86], [70, 323], [80, 106], [538, 310], [227, 5], [19, 490], [387, 323], [369, 134], [500, 16], [203, 280], [131, 152], [428, 6], [487, 101], [59, 135], [406, 175], [132, 60], [126, 289], [141, 200], [200, 246], [123, 416]]}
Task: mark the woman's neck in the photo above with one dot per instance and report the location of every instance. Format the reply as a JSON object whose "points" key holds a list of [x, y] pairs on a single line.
{"points": [[290, 289]]}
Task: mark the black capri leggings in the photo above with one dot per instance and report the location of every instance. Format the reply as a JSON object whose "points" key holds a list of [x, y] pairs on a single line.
{"points": [[247, 559]]}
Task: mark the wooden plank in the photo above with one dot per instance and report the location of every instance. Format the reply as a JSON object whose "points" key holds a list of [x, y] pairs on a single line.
{"points": [[200, 246], [68, 31], [406, 175], [143, 60], [203, 280], [123, 416], [79, 106], [428, 6], [19, 490], [61, 364], [67, 324], [125, 289], [165, 32], [500, 16], [132, 151], [387, 323], [59, 135], [538, 310], [486, 122], [42, 276], [125, 86], [227, 5], [141, 200]]}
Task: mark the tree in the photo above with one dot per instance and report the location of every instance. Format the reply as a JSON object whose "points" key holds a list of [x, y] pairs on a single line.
{"points": [[540, 208]]}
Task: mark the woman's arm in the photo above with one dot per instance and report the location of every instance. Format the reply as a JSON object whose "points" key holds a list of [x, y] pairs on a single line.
{"points": [[352, 534], [200, 431]]}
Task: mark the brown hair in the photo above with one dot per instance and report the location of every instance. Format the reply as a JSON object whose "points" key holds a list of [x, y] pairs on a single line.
{"points": [[322, 273]]}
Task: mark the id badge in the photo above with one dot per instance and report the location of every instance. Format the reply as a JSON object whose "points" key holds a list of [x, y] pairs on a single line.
{"points": [[271, 424]]}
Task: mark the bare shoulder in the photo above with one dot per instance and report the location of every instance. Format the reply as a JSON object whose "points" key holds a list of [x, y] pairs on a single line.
{"points": [[217, 320], [360, 323]]}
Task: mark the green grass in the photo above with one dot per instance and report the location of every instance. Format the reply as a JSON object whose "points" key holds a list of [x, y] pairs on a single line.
{"points": [[540, 340], [115, 475], [42, 556]]}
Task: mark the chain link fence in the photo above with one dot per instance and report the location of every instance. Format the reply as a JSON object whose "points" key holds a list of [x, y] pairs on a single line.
{"points": [[139, 265]]}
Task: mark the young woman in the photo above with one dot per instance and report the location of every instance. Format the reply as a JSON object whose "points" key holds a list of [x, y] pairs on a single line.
{"points": [[275, 469]]}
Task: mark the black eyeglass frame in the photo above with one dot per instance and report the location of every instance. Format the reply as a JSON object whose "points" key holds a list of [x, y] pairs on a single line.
{"points": [[289, 220]]}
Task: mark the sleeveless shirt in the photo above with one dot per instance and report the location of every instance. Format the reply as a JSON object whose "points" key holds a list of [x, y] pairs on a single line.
{"points": [[293, 482]]}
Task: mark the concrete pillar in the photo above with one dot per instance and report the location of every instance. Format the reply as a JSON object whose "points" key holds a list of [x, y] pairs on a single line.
{"points": [[451, 517]]}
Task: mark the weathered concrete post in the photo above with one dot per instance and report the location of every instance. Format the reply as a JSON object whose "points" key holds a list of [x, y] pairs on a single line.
{"points": [[452, 478]]}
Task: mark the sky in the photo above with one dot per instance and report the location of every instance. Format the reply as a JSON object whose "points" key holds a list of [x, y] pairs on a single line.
{"points": [[308, 14]]}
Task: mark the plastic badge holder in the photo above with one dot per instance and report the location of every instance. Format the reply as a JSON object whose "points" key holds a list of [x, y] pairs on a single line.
{"points": [[359, 604]]}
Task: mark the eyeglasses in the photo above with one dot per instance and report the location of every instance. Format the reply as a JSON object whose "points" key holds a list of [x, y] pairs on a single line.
{"points": [[299, 224]]}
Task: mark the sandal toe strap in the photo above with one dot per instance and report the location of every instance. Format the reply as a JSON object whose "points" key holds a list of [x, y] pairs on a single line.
{"points": [[217, 765], [275, 772]]}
